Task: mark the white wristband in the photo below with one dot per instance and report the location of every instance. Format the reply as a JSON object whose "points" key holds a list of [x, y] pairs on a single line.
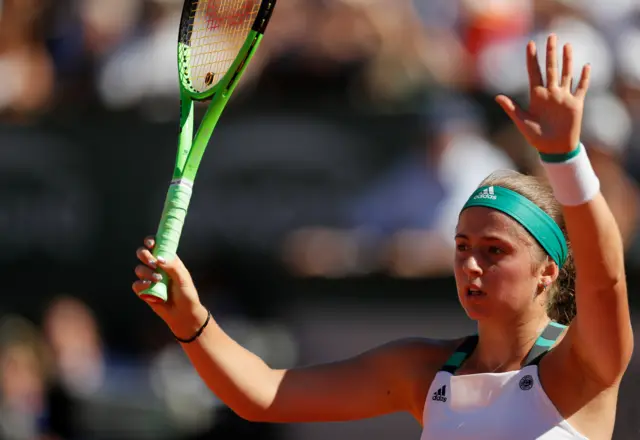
{"points": [[573, 181]]}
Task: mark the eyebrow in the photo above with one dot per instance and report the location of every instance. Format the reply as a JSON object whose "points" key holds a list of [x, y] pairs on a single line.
{"points": [[485, 237]]}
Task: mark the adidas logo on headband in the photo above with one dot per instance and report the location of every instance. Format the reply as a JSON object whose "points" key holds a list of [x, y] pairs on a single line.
{"points": [[487, 193]]}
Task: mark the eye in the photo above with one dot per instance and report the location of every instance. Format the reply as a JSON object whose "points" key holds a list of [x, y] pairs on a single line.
{"points": [[495, 250], [462, 247]]}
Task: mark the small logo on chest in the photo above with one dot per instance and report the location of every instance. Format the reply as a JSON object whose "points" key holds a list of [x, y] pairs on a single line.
{"points": [[526, 383], [440, 395]]}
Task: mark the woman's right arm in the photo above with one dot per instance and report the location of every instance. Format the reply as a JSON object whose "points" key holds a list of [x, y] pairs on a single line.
{"points": [[391, 378]]}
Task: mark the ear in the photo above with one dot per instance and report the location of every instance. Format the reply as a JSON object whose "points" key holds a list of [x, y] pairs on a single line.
{"points": [[549, 273]]}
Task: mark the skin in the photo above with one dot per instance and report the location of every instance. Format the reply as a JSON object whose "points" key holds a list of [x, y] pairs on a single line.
{"points": [[581, 374]]}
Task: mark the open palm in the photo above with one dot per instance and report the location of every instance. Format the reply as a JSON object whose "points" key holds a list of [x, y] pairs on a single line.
{"points": [[553, 121]]}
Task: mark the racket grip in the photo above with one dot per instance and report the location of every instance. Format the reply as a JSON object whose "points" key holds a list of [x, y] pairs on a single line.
{"points": [[168, 236]]}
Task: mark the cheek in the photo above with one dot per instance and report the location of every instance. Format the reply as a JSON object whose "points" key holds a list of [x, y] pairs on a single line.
{"points": [[460, 279], [512, 277], [458, 265]]}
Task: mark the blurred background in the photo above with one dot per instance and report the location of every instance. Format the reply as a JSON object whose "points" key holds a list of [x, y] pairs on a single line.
{"points": [[323, 216]]}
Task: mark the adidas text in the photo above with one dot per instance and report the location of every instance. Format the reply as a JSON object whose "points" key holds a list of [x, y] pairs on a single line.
{"points": [[485, 196], [440, 395], [487, 193]]}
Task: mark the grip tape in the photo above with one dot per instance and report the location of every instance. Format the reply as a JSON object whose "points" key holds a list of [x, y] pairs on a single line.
{"points": [[174, 213]]}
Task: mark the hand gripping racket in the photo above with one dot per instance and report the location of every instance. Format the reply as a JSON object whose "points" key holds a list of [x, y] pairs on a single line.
{"points": [[216, 41]]}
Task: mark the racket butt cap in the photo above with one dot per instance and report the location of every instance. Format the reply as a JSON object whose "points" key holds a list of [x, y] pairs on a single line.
{"points": [[152, 298]]}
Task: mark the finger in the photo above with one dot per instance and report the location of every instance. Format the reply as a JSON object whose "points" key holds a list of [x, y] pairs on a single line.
{"points": [[533, 67], [583, 85], [176, 270], [567, 67], [515, 113], [145, 256], [150, 242], [552, 61], [146, 273], [140, 286]]}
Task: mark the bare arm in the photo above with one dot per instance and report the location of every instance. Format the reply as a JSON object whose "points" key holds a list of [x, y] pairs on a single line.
{"points": [[374, 383], [600, 337], [391, 378]]}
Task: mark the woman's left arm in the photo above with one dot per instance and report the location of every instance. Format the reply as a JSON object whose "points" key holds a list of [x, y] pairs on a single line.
{"points": [[600, 338]]}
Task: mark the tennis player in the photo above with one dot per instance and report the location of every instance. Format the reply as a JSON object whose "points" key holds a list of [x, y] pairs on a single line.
{"points": [[547, 360]]}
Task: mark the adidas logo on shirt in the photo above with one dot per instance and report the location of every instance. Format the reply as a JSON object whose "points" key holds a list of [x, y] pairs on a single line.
{"points": [[440, 395], [486, 194]]}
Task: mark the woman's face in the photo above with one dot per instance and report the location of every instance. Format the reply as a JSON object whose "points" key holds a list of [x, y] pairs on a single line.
{"points": [[495, 268]]}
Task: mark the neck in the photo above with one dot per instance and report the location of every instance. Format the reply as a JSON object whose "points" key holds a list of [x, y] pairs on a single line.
{"points": [[502, 346]]}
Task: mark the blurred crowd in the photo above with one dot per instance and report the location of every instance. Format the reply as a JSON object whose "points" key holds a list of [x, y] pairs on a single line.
{"points": [[444, 60], [60, 381], [387, 105]]}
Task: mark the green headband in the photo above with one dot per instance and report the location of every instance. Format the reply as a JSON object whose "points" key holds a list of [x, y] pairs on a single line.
{"points": [[542, 227]]}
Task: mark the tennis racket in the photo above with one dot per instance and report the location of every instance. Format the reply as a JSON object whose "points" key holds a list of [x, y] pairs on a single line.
{"points": [[216, 41]]}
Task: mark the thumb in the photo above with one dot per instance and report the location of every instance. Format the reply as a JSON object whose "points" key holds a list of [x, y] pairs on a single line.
{"points": [[515, 112], [176, 270]]}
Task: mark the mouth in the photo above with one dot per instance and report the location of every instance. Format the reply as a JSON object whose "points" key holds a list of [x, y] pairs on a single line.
{"points": [[475, 293]]}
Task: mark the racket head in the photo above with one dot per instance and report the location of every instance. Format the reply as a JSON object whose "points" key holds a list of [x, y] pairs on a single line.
{"points": [[213, 40]]}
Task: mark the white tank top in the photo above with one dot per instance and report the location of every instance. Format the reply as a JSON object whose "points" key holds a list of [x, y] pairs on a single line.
{"points": [[494, 406]]}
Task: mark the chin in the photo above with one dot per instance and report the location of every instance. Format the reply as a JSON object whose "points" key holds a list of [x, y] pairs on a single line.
{"points": [[477, 310], [477, 315]]}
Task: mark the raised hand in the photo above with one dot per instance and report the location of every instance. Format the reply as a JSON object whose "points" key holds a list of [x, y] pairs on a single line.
{"points": [[553, 121]]}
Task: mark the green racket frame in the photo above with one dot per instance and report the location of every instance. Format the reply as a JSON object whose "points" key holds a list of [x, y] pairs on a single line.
{"points": [[191, 149]]}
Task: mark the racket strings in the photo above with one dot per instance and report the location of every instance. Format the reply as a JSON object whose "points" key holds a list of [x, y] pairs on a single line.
{"points": [[216, 31]]}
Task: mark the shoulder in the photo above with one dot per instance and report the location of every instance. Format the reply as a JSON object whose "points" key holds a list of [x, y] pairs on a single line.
{"points": [[423, 351], [419, 353], [580, 399], [424, 357], [414, 362]]}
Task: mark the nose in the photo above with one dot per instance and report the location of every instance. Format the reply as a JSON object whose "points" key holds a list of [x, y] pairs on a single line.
{"points": [[471, 267]]}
